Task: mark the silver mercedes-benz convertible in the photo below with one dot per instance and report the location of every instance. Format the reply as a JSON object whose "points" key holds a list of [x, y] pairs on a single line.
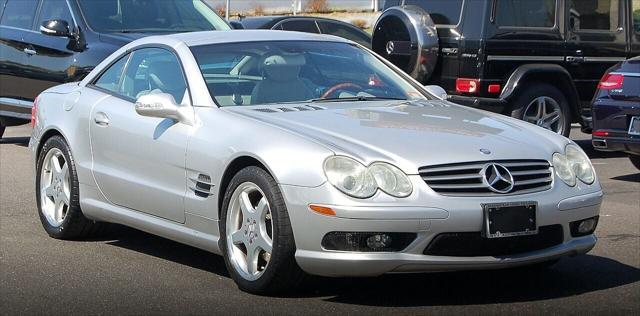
{"points": [[293, 153]]}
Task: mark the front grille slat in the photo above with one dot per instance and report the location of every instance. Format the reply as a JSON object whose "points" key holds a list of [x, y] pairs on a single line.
{"points": [[466, 179]]}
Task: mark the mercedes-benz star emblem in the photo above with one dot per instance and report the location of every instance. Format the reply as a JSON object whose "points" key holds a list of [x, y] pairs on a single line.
{"points": [[497, 177], [390, 47]]}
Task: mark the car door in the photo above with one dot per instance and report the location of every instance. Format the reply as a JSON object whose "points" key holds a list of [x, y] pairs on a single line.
{"points": [[15, 26], [51, 58], [139, 162], [596, 40]]}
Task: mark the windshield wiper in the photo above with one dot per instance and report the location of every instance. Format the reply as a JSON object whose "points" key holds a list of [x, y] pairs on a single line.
{"points": [[353, 99]]}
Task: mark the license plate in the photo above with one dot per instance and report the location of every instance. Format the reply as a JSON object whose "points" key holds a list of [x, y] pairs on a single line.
{"points": [[634, 127], [510, 219]]}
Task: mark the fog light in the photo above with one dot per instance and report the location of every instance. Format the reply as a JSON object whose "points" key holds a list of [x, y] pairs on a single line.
{"points": [[379, 241], [367, 241], [584, 227]]}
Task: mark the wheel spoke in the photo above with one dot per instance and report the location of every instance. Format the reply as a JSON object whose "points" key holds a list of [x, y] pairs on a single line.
{"points": [[262, 208], [64, 198], [541, 108], [55, 165], [252, 259], [239, 237], [264, 242], [245, 205], [58, 209], [64, 172]]}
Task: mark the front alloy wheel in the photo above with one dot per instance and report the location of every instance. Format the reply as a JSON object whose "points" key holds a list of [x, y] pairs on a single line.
{"points": [[256, 235], [249, 231]]}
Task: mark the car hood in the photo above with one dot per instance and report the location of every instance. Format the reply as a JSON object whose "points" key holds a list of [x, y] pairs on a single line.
{"points": [[411, 134]]}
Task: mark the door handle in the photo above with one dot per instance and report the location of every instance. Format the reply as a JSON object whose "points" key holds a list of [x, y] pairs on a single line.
{"points": [[101, 119], [29, 51]]}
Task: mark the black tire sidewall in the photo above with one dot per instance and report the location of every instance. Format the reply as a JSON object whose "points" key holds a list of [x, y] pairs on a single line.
{"points": [[282, 251], [63, 230], [535, 90]]}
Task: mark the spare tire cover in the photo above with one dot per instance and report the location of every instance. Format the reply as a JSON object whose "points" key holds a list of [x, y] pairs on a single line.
{"points": [[407, 37]]}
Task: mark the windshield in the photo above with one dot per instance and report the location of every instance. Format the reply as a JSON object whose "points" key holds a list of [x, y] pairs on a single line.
{"points": [[295, 71], [150, 16]]}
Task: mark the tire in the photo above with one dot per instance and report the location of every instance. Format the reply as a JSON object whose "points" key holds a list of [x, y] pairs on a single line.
{"points": [[280, 272], [71, 223], [2, 127], [525, 103], [635, 160]]}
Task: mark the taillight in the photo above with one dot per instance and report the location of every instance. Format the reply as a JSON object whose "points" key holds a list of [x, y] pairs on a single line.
{"points": [[465, 85], [600, 133], [34, 113], [611, 81]]}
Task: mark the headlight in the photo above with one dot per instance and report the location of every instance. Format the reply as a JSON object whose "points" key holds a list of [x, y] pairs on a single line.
{"points": [[563, 169], [350, 177], [390, 179], [354, 179], [573, 164], [580, 164]]}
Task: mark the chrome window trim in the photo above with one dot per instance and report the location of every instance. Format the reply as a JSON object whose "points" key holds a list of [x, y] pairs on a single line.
{"points": [[524, 58]]}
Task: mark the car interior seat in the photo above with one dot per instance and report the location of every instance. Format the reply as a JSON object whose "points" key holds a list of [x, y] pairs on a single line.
{"points": [[281, 80]]}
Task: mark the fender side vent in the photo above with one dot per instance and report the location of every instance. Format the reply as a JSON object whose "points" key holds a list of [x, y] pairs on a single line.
{"points": [[201, 186], [304, 108], [288, 109]]}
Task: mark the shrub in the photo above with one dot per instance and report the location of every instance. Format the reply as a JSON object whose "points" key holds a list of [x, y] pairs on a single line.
{"points": [[258, 9], [360, 23], [317, 6], [221, 10]]}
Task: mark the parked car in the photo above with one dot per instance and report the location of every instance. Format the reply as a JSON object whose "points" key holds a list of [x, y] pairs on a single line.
{"points": [[306, 24], [47, 42], [616, 111], [289, 152], [536, 60]]}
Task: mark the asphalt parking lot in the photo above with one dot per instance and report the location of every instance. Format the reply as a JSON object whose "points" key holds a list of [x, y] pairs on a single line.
{"points": [[131, 272]]}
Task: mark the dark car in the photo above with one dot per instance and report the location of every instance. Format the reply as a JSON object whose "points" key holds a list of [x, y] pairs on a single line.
{"points": [[47, 42], [537, 60], [616, 111], [305, 24]]}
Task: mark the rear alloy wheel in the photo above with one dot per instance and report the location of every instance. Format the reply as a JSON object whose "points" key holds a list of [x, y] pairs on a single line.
{"points": [[57, 193], [256, 235], [544, 105]]}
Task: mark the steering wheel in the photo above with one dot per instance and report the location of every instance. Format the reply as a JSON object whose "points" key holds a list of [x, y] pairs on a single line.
{"points": [[340, 86]]}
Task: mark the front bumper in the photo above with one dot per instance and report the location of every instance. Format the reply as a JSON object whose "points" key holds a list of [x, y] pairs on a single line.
{"points": [[559, 205]]}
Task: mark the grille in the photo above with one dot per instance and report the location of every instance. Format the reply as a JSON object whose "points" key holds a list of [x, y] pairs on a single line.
{"points": [[466, 178], [472, 244]]}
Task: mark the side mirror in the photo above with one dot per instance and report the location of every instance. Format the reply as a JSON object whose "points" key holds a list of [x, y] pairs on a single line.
{"points": [[437, 91], [56, 28], [162, 105]]}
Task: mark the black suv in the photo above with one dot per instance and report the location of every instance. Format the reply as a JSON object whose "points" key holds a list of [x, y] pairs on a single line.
{"points": [[537, 60], [47, 42]]}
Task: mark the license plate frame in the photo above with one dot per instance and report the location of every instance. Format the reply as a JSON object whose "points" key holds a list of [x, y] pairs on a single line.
{"points": [[510, 219], [634, 126]]}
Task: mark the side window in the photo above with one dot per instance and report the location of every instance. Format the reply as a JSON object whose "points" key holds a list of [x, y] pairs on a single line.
{"points": [[345, 31], [599, 15], [55, 10], [526, 13], [19, 13], [110, 79], [307, 26], [154, 70]]}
